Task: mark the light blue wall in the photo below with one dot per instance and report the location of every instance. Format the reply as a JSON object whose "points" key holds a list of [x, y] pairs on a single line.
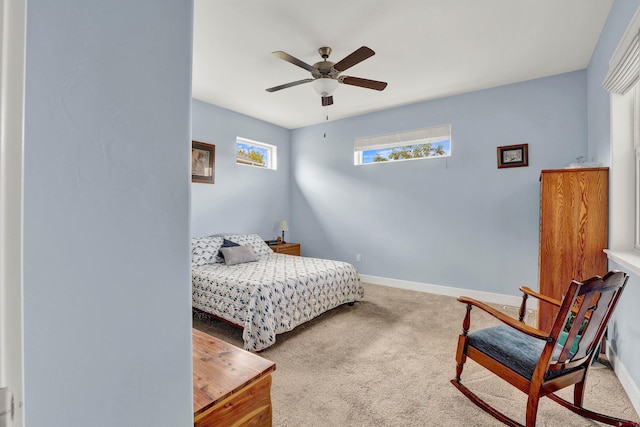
{"points": [[243, 199], [624, 329], [458, 221], [107, 306]]}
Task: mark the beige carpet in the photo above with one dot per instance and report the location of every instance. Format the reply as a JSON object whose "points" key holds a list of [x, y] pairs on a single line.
{"points": [[387, 361]]}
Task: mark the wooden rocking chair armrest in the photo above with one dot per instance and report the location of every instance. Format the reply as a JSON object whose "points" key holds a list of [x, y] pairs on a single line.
{"points": [[545, 298], [541, 297], [506, 319]]}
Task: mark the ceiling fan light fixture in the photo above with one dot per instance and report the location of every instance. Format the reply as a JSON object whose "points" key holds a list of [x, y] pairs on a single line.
{"points": [[325, 86]]}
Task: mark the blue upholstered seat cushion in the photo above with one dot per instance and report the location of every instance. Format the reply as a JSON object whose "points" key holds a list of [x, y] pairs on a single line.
{"points": [[512, 348]]}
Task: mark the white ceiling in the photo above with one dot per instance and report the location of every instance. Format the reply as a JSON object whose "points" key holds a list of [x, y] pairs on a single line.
{"points": [[425, 49]]}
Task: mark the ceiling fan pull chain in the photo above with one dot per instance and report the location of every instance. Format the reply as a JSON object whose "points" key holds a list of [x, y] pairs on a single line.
{"points": [[326, 116]]}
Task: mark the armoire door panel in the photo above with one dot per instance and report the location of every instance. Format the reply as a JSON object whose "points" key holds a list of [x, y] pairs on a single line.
{"points": [[574, 207]]}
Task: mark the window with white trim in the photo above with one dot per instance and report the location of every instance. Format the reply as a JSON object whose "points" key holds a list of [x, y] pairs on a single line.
{"points": [[411, 145], [256, 154], [636, 146], [622, 82]]}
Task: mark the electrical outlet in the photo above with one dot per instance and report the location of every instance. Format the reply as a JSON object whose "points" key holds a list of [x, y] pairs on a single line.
{"points": [[358, 258]]}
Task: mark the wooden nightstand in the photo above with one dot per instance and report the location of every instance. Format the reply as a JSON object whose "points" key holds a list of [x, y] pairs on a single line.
{"points": [[286, 248]]}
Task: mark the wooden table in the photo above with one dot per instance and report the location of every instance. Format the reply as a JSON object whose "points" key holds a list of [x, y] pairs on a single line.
{"points": [[231, 387], [286, 248]]}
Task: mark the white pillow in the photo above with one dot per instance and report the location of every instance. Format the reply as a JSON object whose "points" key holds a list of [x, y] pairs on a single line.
{"points": [[204, 250], [256, 242]]}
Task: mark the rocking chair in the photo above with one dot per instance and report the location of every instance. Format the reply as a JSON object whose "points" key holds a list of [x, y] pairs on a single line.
{"points": [[536, 362]]}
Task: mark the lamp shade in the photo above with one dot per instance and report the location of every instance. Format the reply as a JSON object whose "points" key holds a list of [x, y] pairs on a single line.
{"points": [[325, 86], [283, 226]]}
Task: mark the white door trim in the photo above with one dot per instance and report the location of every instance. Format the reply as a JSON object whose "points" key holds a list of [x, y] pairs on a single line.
{"points": [[12, 84]]}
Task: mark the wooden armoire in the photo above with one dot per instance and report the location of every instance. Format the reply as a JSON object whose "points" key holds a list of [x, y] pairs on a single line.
{"points": [[574, 207]]}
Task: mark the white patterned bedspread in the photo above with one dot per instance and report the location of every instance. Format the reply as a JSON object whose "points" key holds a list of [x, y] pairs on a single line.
{"points": [[274, 294]]}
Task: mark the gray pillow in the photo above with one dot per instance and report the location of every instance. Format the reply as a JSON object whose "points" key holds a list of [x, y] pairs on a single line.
{"points": [[225, 244], [238, 254]]}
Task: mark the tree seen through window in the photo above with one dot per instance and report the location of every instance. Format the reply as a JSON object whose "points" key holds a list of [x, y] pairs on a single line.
{"points": [[416, 151]]}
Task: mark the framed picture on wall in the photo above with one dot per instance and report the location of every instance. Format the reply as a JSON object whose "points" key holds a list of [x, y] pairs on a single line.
{"points": [[203, 159], [513, 156]]}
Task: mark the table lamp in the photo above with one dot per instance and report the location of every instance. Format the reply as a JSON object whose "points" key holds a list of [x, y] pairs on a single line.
{"points": [[283, 226]]}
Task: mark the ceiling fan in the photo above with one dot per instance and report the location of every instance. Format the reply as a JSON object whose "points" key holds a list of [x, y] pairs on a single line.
{"points": [[326, 74]]}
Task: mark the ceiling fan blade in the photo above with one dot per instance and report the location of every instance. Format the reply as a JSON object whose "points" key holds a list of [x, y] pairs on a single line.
{"points": [[366, 83], [327, 100], [356, 57], [295, 61], [286, 85]]}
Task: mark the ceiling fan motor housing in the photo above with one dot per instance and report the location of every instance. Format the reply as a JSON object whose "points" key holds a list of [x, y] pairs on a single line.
{"points": [[324, 69]]}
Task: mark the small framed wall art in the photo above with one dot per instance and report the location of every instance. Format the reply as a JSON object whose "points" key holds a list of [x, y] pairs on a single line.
{"points": [[513, 156], [203, 160]]}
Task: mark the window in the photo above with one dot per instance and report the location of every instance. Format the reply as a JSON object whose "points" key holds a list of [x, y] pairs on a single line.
{"points": [[636, 147], [624, 176], [411, 145], [257, 154]]}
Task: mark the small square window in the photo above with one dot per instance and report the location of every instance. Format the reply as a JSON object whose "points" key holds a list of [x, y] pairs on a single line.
{"points": [[256, 154]]}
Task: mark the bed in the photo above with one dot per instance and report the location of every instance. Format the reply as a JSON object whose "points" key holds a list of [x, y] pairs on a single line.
{"points": [[263, 292]]}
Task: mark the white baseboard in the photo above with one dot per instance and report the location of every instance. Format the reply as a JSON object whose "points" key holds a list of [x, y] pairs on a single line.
{"points": [[510, 300], [629, 386]]}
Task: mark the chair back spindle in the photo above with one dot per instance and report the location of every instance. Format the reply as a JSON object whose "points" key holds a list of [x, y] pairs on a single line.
{"points": [[583, 316]]}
